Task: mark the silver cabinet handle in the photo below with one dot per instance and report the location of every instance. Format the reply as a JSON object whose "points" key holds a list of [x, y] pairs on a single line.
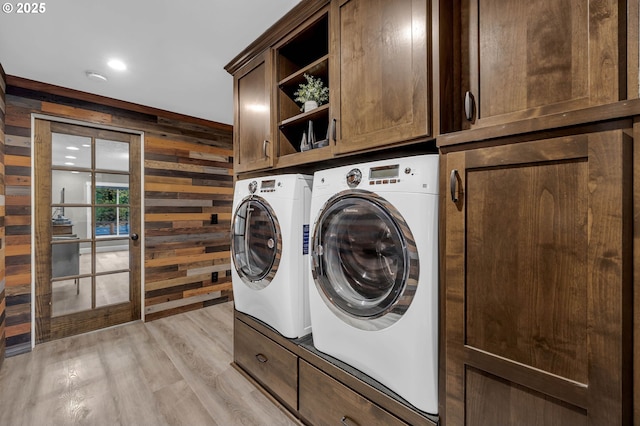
{"points": [[469, 106], [453, 185], [346, 421], [264, 148]]}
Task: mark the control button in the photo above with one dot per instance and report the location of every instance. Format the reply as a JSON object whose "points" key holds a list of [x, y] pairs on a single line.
{"points": [[385, 181], [393, 181]]}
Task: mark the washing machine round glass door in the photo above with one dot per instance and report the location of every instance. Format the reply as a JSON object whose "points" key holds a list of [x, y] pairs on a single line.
{"points": [[365, 261], [256, 243]]}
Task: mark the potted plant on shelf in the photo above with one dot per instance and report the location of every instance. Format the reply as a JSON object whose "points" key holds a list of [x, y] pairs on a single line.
{"points": [[312, 93]]}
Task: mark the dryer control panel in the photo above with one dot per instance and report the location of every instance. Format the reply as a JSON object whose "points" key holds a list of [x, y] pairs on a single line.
{"points": [[268, 185], [415, 174], [383, 175]]}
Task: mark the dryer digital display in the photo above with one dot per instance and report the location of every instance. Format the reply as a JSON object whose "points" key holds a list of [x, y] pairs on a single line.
{"points": [[384, 172], [268, 184]]}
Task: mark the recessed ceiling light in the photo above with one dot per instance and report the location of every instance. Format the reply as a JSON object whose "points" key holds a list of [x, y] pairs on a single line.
{"points": [[117, 64], [86, 145], [69, 163], [74, 172], [92, 75], [73, 148], [70, 157]]}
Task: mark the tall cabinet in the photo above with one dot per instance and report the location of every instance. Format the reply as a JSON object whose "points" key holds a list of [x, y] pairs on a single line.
{"points": [[538, 284], [537, 230]]}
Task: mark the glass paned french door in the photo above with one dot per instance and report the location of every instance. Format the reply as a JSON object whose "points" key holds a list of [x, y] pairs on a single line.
{"points": [[87, 225]]}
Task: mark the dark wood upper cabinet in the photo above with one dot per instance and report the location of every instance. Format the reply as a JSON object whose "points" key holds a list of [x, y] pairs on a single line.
{"points": [[253, 144], [375, 57], [526, 59], [380, 75], [537, 282]]}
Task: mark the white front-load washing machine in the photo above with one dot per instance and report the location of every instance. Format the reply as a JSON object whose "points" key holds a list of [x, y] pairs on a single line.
{"points": [[270, 251], [374, 272]]}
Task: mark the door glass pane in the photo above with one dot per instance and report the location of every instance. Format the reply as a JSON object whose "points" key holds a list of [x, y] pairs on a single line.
{"points": [[112, 288], [112, 222], [70, 187], [65, 256], [112, 155], [85, 258], [71, 296], [68, 221], [112, 180], [112, 255], [70, 151]]}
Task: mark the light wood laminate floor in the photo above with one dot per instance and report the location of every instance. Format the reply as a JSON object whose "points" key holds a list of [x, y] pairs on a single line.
{"points": [[172, 371]]}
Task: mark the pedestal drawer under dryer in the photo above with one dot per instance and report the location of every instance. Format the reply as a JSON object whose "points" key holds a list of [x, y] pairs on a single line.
{"points": [[273, 366], [324, 400]]}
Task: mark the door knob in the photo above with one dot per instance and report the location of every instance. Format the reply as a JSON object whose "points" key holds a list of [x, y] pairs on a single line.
{"points": [[134, 237]]}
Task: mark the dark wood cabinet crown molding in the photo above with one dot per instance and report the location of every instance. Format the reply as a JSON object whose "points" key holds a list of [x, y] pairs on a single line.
{"points": [[296, 16]]}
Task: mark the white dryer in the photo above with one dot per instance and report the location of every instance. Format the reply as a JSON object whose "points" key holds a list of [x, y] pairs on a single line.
{"points": [[270, 250], [374, 272]]}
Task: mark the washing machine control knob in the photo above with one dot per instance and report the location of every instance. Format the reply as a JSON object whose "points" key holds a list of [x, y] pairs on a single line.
{"points": [[354, 177], [253, 185]]}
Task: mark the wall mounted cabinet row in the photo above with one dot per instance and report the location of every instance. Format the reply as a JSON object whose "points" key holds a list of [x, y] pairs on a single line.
{"points": [[410, 70], [373, 56]]}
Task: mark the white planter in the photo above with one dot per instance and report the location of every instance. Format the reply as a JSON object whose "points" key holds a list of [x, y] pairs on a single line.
{"points": [[310, 105]]}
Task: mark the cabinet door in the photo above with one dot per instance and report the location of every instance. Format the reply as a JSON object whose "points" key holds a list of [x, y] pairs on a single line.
{"points": [[525, 59], [379, 91], [538, 282], [252, 142]]}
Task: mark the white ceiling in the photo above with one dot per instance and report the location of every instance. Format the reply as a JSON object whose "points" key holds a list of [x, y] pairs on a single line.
{"points": [[175, 50]]}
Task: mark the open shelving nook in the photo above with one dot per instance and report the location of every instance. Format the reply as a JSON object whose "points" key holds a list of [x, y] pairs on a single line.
{"points": [[305, 52]]}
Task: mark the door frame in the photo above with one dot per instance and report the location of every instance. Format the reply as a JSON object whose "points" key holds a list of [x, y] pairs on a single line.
{"points": [[51, 118]]}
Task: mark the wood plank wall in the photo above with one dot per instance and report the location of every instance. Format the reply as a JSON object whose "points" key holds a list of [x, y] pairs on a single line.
{"points": [[3, 86], [188, 178]]}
